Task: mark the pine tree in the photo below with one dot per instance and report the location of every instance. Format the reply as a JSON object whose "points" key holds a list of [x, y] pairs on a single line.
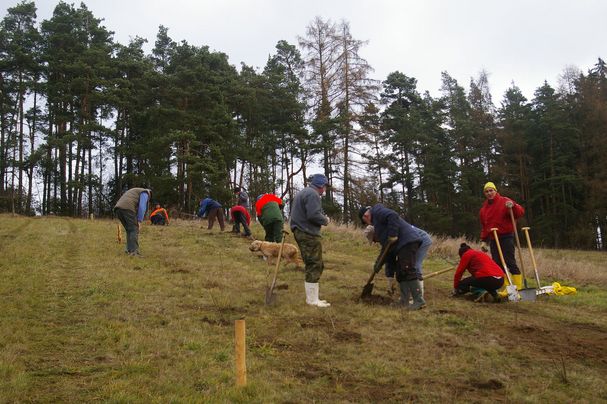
{"points": [[19, 70]]}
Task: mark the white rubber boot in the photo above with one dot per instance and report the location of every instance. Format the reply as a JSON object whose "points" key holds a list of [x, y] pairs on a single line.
{"points": [[312, 295]]}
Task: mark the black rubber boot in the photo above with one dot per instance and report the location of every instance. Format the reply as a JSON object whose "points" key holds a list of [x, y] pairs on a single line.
{"points": [[418, 297], [405, 293]]}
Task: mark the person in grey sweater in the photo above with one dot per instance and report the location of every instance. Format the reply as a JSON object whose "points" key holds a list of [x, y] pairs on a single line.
{"points": [[307, 218], [130, 210]]}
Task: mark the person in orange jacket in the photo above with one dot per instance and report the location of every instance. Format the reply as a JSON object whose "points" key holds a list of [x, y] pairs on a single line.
{"points": [[159, 217], [495, 212]]}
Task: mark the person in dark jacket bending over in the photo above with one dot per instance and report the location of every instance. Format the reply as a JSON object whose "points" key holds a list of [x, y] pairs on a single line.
{"points": [[269, 214], [403, 241], [243, 197], [306, 219], [130, 210], [212, 209], [485, 272], [495, 212]]}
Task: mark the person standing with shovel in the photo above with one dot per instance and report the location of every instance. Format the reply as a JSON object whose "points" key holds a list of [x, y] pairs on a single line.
{"points": [[495, 213], [403, 242], [307, 218]]}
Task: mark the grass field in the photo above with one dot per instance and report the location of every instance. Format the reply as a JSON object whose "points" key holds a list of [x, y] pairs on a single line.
{"points": [[80, 322]]}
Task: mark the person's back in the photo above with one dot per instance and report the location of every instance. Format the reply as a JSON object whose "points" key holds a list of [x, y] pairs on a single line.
{"points": [[271, 212], [130, 199], [306, 212], [306, 219]]}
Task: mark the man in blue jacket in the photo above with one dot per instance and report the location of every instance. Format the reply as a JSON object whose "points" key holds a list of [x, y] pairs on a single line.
{"points": [[403, 242], [212, 209], [306, 219]]}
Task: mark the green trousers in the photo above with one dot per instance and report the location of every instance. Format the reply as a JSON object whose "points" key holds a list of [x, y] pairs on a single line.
{"points": [[274, 231], [310, 247]]}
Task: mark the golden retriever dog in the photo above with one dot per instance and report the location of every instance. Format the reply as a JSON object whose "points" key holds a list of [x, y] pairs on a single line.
{"points": [[290, 253]]}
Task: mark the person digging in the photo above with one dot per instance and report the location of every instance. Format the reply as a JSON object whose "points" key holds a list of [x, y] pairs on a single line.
{"points": [[403, 242]]}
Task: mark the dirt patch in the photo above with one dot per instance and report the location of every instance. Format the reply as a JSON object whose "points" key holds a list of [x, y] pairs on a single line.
{"points": [[315, 322], [311, 372], [491, 384], [374, 300], [348, 336], [216, 321], [210, 285], [378, 300], [585, 342], [179, 271], [445, 311], [282, 286]]}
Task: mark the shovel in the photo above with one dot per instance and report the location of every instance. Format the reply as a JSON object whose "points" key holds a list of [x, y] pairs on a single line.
{"points": [[513, 295], [527, 294], [541, 290], [442, 271], [368, 288], [270, 298]]}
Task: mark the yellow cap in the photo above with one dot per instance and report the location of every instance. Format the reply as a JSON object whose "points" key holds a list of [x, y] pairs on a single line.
{"points": [[489, 185]]}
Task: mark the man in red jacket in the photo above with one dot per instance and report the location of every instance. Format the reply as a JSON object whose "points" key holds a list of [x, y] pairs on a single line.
{"points": [[495, 212], [485, 273]]}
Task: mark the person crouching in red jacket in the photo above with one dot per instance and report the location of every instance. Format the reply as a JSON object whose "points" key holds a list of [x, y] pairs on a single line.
{"points": [[240, 216], [485, 272]]}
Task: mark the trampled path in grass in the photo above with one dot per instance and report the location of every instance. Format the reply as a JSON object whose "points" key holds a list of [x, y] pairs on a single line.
{"points": [[83, 322]]}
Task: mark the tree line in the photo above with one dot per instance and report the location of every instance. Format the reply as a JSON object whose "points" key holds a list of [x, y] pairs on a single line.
{"points": [[83, 118]]}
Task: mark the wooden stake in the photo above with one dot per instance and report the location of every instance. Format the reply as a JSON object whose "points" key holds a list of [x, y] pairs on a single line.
{"points": [[119, 233], [241, 365]]}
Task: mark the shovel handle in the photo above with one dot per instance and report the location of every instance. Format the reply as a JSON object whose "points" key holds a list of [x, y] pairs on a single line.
{"points": [[499, 250], [284, 236], [537, 275], [442, 271], [380, 262], [518, 245]]}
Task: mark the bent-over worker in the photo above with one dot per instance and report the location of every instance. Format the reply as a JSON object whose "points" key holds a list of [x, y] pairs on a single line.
{"points": [[130, 210], [403, 242]]}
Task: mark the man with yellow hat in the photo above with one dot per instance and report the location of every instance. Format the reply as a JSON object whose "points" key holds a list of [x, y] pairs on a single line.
{"points": [[495, 212]]}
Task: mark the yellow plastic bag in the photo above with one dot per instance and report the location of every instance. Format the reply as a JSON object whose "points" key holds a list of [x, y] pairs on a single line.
{"points": [[560, 290]]}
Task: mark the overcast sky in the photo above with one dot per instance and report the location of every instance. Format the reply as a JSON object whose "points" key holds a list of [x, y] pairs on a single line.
{"points": [[520, 41]]}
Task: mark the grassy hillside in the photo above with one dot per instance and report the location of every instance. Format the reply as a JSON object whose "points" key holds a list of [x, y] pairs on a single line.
{"points": [[83, 322]]}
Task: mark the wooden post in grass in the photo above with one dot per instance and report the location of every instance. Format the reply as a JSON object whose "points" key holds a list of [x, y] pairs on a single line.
{"points": [[119, 233], [241, 365]]}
